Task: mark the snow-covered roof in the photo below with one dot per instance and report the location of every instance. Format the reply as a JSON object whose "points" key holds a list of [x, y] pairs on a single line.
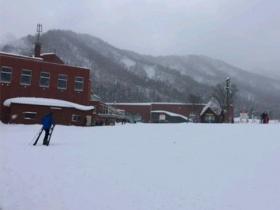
{"points": [[156, 103], [49, 53], [172, 114], [213, 106], [38, 59], [95, 97], [176, 103], [46, 102], [21, 56], [130, 104]]}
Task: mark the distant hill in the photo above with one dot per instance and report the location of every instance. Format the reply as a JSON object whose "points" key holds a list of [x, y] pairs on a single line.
{"points": [[125, 76]]}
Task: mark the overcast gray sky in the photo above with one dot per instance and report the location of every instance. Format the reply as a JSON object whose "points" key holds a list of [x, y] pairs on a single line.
{"points": [[245, 33]]}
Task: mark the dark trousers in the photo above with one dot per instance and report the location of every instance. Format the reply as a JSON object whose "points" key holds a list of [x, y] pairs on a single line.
{"points": [[45, 141]]}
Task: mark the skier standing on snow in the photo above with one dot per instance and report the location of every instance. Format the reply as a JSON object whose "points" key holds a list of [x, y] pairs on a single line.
{"points": [[262, 117], [266, 118], [47, 122]]}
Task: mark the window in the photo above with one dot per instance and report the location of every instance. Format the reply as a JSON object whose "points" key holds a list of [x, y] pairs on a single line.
{"points": [[76, 118], [29, 115], [6, 75], [162, 117], [210, 118], [45, 79], [26, 76], [79, 83], [62, 82]]}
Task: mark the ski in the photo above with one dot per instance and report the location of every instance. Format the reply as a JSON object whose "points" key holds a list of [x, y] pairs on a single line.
{"points": [[37, 139], [50, 135]]}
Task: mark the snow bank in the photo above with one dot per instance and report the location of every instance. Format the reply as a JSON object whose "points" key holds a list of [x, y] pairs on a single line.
{"points": [[141, 167], [46, 102]]}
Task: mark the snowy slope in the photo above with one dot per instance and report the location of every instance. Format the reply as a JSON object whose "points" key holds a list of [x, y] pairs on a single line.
{"points": [[140, 167], [117, 75], [125, 76]]}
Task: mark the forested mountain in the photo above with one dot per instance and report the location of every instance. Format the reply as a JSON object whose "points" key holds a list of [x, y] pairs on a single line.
{"points": [[125, 76]]}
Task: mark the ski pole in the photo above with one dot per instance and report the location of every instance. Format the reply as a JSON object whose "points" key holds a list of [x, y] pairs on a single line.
{"points": [[38, 137], [37, 134], [54, 138]]}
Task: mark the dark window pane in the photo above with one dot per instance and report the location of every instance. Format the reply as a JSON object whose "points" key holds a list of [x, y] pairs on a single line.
{"points": [[62, 81], [6, 75], [45, 79], [76, 118], [26, 76], [79, 83]]}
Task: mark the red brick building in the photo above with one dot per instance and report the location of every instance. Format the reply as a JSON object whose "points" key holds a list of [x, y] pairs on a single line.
{"points": [[143, 111], [43, 77]]}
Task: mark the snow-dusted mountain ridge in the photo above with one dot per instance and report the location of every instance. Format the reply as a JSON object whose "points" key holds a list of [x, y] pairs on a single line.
{"points": [[126, 76]]}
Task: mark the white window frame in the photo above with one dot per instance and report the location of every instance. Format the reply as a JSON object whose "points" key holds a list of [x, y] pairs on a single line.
{"points": [[11, 74], [65, 79], [44, 77], [81, 82], [27, 75], [29, 118]]}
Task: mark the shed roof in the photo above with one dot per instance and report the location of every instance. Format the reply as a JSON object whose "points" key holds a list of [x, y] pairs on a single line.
{"points": [[172, 114], [213, 106], [46, 102]]}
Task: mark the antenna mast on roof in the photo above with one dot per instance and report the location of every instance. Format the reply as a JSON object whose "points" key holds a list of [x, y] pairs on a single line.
{"points": [[39, 31], [37, 48], [228, 95]]}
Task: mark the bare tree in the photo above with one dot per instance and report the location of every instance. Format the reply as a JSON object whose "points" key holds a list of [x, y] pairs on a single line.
{"points": [[219, 93]]}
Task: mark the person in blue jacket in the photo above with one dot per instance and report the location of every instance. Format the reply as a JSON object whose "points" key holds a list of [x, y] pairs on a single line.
{"points": [[47, 123]]}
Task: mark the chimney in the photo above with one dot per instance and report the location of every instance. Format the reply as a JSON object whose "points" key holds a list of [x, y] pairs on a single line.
{"points": [[37, 48]]}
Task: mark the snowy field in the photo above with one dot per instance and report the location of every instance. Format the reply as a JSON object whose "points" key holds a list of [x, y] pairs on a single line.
{"points": [[142, 167]]}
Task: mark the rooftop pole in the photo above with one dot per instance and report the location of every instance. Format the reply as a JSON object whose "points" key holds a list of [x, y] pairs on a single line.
{"points": [[228, 93]]}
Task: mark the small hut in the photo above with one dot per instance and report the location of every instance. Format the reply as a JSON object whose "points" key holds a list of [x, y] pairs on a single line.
{"points": [[212, 113]]}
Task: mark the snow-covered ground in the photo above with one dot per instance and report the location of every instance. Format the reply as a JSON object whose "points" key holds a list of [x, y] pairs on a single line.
{"points": [[142, 167]]}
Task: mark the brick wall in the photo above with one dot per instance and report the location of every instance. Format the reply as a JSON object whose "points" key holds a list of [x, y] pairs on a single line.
{"points": [[15, 89], [15, 114], [145, 109]]}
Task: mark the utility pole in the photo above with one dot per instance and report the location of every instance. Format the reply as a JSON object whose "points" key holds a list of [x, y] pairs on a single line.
{"points": [[228, 93]]}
